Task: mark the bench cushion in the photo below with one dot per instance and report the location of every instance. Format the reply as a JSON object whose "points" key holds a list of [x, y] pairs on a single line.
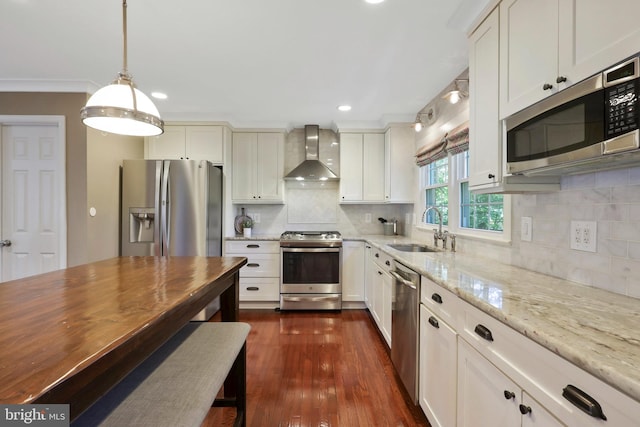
{"points": [[177, 384]]}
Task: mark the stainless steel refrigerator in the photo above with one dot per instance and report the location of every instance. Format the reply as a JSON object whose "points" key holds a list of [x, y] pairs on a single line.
{"points": [[171, 208]]}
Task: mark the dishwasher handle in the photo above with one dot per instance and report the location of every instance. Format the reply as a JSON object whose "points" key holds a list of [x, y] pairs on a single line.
{"points": [[402, 280]]}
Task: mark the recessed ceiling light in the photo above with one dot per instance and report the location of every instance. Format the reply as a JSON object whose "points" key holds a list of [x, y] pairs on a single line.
{"points": [[374, 1], [344, 107], [159, 95]]}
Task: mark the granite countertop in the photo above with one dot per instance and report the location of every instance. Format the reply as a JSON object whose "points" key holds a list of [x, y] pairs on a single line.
{"points": [[594, 329]]}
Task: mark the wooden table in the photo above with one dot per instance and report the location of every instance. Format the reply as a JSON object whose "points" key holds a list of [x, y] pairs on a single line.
{"points": [[69, 335]]}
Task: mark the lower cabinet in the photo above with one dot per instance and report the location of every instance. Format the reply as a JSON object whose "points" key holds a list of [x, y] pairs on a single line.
{"points": [[487, 397], [260, 276], [380, 290], [438, 368], [353, 271]]}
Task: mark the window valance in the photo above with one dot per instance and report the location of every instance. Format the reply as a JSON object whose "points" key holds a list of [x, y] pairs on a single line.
{"points": [[454, 142]]}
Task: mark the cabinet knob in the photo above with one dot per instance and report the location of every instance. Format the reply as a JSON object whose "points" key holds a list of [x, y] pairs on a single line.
{"points": [[561, 79], [547, 86], [509, 395], [387, 263], [524, 410], [491, 176]]}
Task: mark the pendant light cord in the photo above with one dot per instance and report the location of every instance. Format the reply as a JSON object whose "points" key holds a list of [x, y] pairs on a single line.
{"points": [[124, 75], [125, 71]]}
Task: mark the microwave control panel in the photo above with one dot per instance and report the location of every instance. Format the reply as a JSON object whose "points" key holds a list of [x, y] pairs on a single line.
{"points": [[622, 108]]}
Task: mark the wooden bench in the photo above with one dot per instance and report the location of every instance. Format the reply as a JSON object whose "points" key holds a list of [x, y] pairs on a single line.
{"points": [[179, 382]]}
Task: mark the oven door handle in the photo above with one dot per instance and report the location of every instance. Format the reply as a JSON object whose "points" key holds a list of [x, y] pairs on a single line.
{"points": [[311, 249]]}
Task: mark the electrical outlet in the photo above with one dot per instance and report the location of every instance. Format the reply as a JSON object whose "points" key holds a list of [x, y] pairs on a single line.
{"points": [[256, 218], [525, 228], [367, 218], [584, 235]]}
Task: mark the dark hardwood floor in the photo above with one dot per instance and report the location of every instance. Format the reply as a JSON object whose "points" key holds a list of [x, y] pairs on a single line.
{"points": [[319, 369]]}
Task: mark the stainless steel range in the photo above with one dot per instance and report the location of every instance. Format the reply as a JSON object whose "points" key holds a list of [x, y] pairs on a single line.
{"points": [[311, 270]]}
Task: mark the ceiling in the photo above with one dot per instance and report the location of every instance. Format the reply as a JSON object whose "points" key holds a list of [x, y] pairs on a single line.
{"points": [[252, 63]]}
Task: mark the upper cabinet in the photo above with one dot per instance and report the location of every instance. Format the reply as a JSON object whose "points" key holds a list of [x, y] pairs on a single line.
{"points": [[399, 169], [486, 155], [528, 52], [258, 167], [594, 35], [362, 167], [548, 45], [377, 167], [187, 142]]}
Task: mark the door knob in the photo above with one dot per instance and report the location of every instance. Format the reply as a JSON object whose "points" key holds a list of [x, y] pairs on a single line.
{"points": [[5, 243]]}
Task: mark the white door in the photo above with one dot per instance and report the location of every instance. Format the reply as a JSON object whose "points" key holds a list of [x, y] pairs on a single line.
{"points": [[33, 211]]}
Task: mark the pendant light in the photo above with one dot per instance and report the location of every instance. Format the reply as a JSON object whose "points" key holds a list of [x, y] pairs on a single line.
{"points": [[121, 108]]}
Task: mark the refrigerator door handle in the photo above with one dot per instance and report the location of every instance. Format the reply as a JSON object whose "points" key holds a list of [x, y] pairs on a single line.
{"points": [[165, 209], [157, 236]]}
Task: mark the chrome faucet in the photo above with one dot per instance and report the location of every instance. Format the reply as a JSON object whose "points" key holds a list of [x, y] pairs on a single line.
{"points": [[437, 233]]}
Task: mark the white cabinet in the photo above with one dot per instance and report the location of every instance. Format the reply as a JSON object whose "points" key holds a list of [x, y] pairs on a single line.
{"points": [[484, 393], [381, 292], [260, 276], [548, 45], [187, 142], [540, 376], [585, 51], [438, 369], [400, 166], [528, 52], [377, 167], [486, 155], [487, 397], [353, 271], [258, 168], [362, 167], [369, 270]]}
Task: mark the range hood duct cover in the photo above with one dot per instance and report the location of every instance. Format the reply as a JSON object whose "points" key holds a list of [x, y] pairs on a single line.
{"points": [[311, 169]]}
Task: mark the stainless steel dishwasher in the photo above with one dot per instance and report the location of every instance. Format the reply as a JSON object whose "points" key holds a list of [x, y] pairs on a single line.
{"points": [[404, 326]]}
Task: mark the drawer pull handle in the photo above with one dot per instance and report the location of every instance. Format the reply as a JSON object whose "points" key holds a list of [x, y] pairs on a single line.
{"points": [[253, 288], [253, 264], [434, 322], [524, 410], [583, 401], [509, 395], [484, 332], [437, 298], [252, 246]]}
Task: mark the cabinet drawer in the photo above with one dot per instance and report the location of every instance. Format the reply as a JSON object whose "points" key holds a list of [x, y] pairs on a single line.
{"points": [[542, 373], [259, 289], [441, 301], [245, 247], [261, 265], [383, 260]]}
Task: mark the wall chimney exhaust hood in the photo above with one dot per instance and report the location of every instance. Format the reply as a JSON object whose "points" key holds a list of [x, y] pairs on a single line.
{"points": [[311, 169]]}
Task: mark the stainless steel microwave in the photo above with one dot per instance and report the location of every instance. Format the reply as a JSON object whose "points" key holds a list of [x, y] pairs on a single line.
{"points": [[591, 125]]}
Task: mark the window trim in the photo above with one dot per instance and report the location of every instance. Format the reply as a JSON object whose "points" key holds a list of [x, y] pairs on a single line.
{"points": [[454, 212]]}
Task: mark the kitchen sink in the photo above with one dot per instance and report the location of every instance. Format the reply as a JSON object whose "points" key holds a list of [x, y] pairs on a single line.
{"points": [[413, 247]]}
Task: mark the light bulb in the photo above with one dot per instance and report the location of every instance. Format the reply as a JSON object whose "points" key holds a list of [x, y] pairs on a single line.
{"points": [[454, 97], [417, 126]]}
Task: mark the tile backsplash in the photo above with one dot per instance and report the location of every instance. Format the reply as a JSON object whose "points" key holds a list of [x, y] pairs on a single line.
{"points": [[612, 200]]}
